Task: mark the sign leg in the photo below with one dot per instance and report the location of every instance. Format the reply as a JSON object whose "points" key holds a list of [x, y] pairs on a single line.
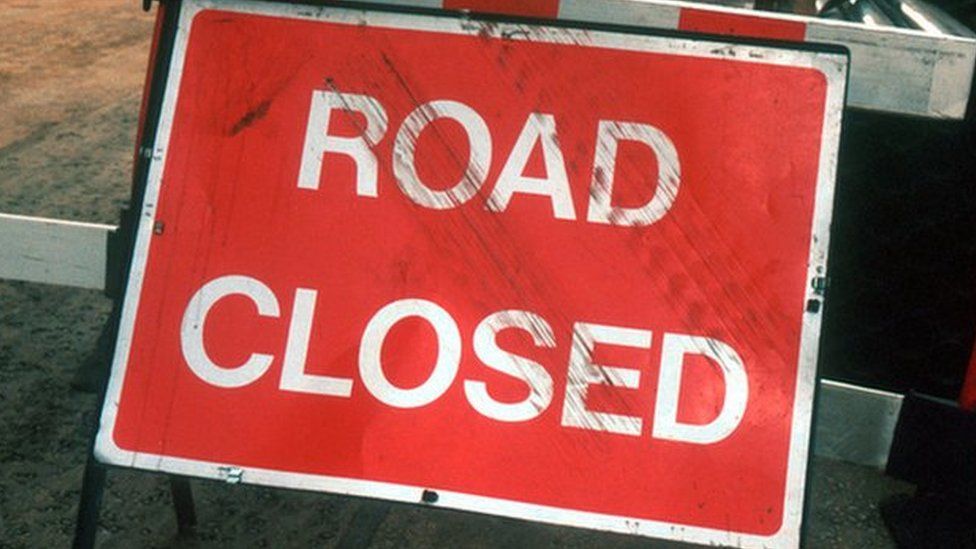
{"points": [[92, 487], [186, 514], [93, 480]]}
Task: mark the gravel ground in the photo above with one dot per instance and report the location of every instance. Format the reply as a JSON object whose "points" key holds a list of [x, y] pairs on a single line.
{"points": [[70, 80]]}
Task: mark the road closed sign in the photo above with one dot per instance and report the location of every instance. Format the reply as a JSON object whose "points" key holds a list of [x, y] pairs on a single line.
{"points": [[542, 271]]}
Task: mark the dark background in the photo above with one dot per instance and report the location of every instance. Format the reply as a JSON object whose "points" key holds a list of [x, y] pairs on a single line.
{"points": [[901, 306]]}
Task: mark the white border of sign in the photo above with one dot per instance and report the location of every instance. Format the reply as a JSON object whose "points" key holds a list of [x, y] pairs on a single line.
{"points": [[832, 65]]}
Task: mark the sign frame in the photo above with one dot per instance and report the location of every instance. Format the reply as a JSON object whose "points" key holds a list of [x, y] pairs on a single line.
{"points": [[831, 61]]}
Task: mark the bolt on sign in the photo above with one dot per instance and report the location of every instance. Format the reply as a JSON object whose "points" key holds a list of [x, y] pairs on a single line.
{"points": [[547, 272]]}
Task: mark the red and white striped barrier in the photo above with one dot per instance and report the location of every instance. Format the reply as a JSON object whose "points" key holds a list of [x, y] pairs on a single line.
{"points": [[892, 69]]}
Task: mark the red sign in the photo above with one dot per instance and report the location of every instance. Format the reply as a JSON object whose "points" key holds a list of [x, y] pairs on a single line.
{"points": [[550, 273]]}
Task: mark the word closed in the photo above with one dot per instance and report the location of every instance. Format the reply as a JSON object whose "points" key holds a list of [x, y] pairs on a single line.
{"points": [[580, 373]]}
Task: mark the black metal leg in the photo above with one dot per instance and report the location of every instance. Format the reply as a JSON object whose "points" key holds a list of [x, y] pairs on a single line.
{"points": [[186, 514], [92, 487], [93, 481]]}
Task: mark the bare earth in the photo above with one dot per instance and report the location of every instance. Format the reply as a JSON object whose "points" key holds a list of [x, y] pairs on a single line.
{"points": [[71, 74]]}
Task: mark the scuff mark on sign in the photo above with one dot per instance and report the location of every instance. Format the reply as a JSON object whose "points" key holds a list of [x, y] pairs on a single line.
{"points": [[250, 117]]}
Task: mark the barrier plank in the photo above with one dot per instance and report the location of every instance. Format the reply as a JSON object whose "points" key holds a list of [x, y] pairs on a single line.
{"points": [[53, 251]]}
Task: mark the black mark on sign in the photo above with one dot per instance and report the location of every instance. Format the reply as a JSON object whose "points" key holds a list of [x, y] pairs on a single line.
{"points": [[250, 117]]}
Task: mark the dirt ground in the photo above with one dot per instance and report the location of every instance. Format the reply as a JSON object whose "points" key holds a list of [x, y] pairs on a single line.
{"points": [[71, 74]]}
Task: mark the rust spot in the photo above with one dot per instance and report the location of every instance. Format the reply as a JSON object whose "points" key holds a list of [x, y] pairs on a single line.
{"points": [[250, 117]]}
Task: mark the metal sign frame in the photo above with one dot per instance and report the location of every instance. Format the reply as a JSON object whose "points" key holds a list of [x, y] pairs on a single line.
{"points": [[830, 61]]}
